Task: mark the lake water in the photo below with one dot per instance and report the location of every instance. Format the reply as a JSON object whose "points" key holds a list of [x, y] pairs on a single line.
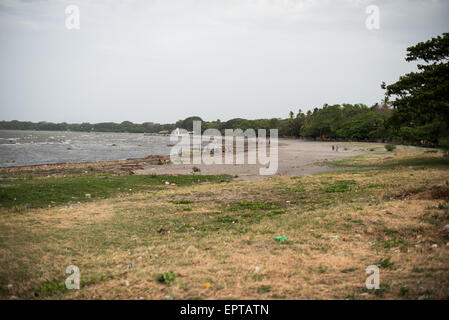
{"points": [[18, 148]]}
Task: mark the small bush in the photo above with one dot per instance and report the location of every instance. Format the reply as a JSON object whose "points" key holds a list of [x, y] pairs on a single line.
{"points": [[166, 277], [182, 201], [264, 289], [385, 263], [390, 147], [394, 242], [404, 292], [52, 286], [444, 143]]}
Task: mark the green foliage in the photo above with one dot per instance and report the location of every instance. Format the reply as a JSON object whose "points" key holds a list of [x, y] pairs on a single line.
{"points": [[427, 132], [255, 205], [404, 292], [353, 122], [182, 201], [390, 147], [125, 126], [52, 286], [188, 123], [264, 289], [421, 107], [166, 277], [340, 186], [384, 287], [394, 242], [385, 263], [343, 122], [443, 142]]}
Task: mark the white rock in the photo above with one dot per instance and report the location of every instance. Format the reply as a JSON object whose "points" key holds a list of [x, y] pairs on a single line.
{"points": [[434, 245], [9, 286], [256, 270], [166, 182], [87, 195], [127, 283]]}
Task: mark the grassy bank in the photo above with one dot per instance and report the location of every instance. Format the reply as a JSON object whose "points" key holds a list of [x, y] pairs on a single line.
{"points": [[217, 240], [401, 156], [28, 192]]}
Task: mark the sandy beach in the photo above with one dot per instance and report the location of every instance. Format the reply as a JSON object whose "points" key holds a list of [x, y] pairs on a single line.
{"points": [[296, 158]]}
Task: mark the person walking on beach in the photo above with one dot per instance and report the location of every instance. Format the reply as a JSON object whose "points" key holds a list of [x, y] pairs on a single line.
{"points": [[333, 147], [336, 148]]}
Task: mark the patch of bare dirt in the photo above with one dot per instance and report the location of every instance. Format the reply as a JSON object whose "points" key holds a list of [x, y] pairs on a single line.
{"points": [[431, 193]]}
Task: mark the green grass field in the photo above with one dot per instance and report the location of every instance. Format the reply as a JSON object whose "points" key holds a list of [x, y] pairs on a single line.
{"points": [[28, 192]]}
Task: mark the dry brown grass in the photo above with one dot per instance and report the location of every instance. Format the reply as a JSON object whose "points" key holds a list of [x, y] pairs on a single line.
{"points": [[227, 233]]}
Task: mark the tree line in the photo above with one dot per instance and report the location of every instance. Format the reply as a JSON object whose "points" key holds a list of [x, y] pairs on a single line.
{"points": [[356, 122]]}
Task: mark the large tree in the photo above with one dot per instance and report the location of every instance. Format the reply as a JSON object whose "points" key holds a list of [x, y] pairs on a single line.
{"points": [[422, 98]]}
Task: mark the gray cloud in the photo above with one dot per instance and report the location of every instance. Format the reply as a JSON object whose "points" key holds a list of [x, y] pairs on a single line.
{"points": [[165, 60]]}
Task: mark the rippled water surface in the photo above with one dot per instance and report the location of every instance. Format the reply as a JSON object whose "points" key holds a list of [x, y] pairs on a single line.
{"points": [[18, 148]]}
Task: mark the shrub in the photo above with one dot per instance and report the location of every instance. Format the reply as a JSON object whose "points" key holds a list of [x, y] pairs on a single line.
{"points": [[166, 277], [390, 147], [444, 143]]}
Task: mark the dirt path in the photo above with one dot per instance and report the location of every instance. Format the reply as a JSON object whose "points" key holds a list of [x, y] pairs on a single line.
{"points": [[296, 158]]}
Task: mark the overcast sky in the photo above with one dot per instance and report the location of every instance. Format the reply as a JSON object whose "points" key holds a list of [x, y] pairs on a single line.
{"points": [[164, 60]]}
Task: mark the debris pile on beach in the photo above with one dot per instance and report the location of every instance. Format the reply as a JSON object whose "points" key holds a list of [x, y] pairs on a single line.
{"points": [[58, 169]]}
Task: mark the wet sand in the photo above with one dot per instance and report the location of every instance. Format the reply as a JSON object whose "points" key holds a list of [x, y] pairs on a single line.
{"points": [[296, 158]]}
